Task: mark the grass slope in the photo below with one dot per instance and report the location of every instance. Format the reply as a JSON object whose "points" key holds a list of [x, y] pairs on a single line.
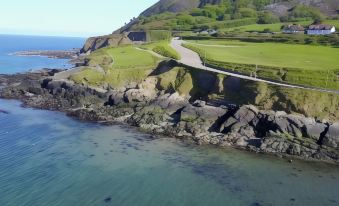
{"points": [[163, 48], [298, 64], [117, 66]]}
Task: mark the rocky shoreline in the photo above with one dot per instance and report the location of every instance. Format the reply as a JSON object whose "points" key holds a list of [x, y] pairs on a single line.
{"points": [[168, 113]]}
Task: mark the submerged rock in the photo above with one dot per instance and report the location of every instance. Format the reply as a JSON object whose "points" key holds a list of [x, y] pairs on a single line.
{"points": [[4, 111]]}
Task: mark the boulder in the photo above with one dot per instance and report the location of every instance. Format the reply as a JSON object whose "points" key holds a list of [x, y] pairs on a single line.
{"points": [[207, 112], [172, 102], [115, 98], [283, 125], [145, 91], [242, 117], [314, 130], [246, 114], [199, 103], [331, 138]]}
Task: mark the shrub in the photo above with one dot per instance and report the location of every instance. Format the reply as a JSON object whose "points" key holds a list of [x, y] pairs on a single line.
{"points": [[260, 4], [248, 13], [267, 18], [166, 52], [158, 35], [185, 19], [267, 30], [302, 11], [231, 23]]}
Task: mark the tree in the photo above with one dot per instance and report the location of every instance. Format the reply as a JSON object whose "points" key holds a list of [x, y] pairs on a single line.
{"points": [[302, 11], [267, 18], [260, 4], [248, 13]]}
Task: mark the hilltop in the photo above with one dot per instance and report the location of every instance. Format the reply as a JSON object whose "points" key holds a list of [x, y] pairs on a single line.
{"points": [[201, 14], [177, 6], [328, 7]]}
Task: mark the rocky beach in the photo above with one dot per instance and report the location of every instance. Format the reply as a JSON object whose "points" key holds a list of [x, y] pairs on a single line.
{"points": [[154, 110]]}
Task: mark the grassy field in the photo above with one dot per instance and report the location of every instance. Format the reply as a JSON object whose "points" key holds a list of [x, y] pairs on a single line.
{"points": [[120, 66], [126, 57], [332, 22], [300, 64]]}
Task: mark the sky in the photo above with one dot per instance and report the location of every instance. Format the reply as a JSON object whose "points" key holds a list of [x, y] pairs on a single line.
{"points": [[78, 18]]}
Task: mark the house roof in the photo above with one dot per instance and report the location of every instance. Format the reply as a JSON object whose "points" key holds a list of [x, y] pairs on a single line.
{"points": [[294, 27], [320, 27]]}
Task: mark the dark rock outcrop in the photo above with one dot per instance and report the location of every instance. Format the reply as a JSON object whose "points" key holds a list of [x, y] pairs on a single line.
{"points": [[171, 114]]}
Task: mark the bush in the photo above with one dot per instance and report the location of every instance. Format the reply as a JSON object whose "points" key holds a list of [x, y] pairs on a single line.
{"points": [[248, 13], [158, 35], [267, 30], [267, 18], [230, 23], [260, 4], [185, 19], [302, 11], [166, 52]]}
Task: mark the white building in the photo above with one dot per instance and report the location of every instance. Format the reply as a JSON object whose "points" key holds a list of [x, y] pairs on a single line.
{"points": [[320, 29]]}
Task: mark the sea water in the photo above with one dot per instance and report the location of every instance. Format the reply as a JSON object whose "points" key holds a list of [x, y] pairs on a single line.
{"points": [[13, 43], [49, 159]]}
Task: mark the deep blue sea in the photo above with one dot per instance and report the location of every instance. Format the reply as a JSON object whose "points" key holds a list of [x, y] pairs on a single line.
{"points": [[13, 43], [49, 159]]}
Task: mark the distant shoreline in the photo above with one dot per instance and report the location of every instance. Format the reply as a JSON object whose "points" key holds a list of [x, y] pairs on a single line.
{"points": [[52, 54]]}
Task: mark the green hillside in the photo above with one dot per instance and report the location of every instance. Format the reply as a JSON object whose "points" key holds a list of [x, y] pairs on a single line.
{"points": [[223, 14]]}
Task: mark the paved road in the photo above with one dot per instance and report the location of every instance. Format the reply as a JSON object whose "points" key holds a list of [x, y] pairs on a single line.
{"points": [[192, 59]]}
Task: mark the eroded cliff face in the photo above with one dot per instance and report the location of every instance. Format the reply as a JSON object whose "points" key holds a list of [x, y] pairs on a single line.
{"points": [[310, 103], [219, 89], [99, 42]]}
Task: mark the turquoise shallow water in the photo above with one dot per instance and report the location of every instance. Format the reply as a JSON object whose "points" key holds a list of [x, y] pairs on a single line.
{"points": [[49, 159]]}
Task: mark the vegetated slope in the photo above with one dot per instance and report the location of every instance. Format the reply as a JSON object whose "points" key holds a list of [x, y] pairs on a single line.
{"points": [[177, 6], [116, 66], [281, 7], [202, 14], [197, 15], [171, 6], [328, 7]]}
